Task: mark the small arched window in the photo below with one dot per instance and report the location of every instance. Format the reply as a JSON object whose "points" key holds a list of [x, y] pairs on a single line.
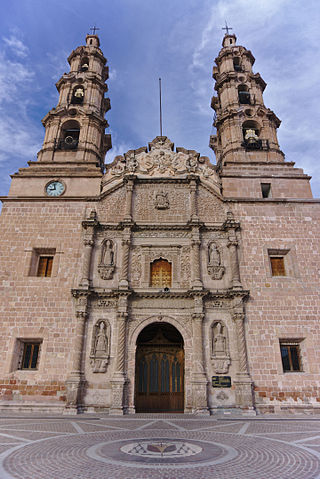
{"points": [[84, 64], [70, 132], [244, 95], [161, 274], [77, 95]]}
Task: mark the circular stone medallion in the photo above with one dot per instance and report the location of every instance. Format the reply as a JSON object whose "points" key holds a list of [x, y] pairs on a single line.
{"points": [[162, 449]]}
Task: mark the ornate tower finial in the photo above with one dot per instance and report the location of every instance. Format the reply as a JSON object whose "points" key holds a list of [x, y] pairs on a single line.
{"points": [[226, 28]]}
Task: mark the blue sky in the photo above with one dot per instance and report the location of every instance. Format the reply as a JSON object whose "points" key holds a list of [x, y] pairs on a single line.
{"points": [[144, 39]]}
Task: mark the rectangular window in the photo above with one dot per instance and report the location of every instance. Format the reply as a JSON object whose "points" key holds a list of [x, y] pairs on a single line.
{"points": [[42, 260], [290, 356], [266, 190], [45, 266], [30, 354], [277, 266]]}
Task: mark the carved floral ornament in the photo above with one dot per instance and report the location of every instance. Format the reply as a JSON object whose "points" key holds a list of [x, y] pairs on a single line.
{"points": [[162, 160]]}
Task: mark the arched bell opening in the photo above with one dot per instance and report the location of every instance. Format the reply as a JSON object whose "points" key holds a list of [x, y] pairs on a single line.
{"points": [[159, 385], [70, 132], [244, 95], [251, 136], [84, 65]]}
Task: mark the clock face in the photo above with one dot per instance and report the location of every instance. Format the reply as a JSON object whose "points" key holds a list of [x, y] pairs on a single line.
{"points": [[55, 188]]}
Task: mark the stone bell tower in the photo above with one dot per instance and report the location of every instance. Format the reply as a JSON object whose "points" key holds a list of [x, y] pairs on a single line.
{"points": [[75, 142], [246, 145]]}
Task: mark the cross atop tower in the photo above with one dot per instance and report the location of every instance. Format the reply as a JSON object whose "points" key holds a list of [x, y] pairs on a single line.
{"points": [[226, 28], [94, 29]]}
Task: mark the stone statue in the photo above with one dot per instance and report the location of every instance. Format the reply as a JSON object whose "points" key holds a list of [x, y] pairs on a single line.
{"points": [[220, 355], [108, 253], [100, 348], [107, 264], [214, 255], [215, 268], [219, 341]]}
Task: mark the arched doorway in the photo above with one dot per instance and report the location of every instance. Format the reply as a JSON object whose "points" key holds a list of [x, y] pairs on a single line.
{"points": [[159, 369]]}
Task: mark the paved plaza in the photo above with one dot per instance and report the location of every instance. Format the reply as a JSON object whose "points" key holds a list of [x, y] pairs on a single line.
{"points": [[159, 447]]}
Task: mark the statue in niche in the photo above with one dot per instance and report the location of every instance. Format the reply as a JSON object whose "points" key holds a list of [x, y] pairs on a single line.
{"points": [[220, 354], [107, 264], [99, 356], [215, 268], [162, 201]]}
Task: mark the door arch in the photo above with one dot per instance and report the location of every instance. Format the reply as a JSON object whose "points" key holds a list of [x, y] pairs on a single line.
{"points": [[159, 385]]}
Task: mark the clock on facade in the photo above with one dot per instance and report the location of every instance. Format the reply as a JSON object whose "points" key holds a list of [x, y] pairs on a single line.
{"points": [[55, 188]]}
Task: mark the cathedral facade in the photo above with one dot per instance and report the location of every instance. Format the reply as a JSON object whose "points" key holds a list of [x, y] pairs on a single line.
{"points": [[160, 282]]}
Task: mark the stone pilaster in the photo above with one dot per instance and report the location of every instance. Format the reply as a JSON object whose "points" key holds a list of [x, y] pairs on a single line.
{"points": [[193, 198], [119, 380], [199, 377], [243, 383], [75, 382], [195, 259], [234, 261], [129, 193], [88, 242]]}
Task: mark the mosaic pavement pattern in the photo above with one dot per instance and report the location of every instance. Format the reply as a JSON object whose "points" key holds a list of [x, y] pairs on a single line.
{"points": [[158, 447]]}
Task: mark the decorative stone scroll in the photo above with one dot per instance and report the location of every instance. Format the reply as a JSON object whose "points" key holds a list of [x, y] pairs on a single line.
{"points": [[99, 355], [161, 160], [107, 263], [215, 268], [220, 351]]}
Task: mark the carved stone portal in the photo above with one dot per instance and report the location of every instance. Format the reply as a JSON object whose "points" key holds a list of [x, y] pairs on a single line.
{"points": [[215, 268], [99, 355], [220, 351], [107, 263]]}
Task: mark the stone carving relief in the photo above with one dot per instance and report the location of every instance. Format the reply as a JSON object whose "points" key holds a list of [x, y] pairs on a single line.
{"points": [[220, 351], [161, 159], [107, 263], [215, 268], [161, 201], [185, 265], [222, 396], [135, 267], [99, 355]]}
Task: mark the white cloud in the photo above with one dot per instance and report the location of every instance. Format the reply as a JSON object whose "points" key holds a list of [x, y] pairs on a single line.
{"points": [[16, 46]]}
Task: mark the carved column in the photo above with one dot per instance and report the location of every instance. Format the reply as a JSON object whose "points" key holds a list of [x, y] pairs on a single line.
{"points": [[124, 283], [195, 259], [199, 378], [88, 241], [193, 198], [75, 382], [243, 383], [119, 380], [129, 193], [234, 261]]}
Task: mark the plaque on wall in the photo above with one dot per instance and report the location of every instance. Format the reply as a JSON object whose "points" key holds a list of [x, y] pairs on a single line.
{"points": [[221, 381]]}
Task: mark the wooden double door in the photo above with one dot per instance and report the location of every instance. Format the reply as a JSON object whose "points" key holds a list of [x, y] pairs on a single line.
{"points": [[159, 376]]}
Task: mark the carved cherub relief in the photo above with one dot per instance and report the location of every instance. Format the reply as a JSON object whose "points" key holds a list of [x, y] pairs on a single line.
{"points": [[99, 355]]}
